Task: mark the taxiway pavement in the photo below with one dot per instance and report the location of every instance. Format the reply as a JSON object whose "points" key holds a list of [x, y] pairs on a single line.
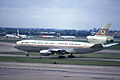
{"points": [[7, 47], [36, 71]]}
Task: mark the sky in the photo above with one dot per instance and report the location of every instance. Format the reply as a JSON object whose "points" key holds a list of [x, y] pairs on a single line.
{"points": [[60, 14]]}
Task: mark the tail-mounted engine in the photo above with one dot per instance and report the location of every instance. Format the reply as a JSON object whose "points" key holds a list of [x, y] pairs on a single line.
{"points": [[99, 39]]}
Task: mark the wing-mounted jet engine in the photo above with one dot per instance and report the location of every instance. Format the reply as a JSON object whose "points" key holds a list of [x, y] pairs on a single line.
{"points": [[52, 51], [45, 52]]}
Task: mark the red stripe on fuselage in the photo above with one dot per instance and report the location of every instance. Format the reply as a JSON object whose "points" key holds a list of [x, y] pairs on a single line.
{"points": [[50, 46]]}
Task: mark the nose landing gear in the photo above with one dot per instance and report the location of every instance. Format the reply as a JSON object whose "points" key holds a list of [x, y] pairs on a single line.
{"points": [[27, 54]]}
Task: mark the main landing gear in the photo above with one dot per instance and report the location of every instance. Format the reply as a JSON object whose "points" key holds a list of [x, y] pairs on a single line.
{"points": [[61, 53], [71, 56], [61, 57]]}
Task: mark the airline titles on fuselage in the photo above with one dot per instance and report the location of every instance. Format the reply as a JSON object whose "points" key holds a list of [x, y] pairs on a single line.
{"points": [[54, 43], [50, 43]]}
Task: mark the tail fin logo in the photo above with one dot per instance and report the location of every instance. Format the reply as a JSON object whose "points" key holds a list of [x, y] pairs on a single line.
{"points": [[103, 32]]}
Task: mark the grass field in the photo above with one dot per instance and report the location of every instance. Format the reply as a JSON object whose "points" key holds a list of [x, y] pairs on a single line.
{"points": [[61, 61], [66, 60]]}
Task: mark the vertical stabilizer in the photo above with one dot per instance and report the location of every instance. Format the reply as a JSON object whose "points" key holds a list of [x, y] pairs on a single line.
{"points": [[104, 30], [18, 33]]}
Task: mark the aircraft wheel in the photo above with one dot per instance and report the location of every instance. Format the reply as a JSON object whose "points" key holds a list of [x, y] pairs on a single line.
{"points": [[71, 56], [61, 57], [27, 54]]}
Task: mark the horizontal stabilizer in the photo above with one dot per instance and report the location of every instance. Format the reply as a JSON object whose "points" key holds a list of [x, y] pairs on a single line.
{"points": [[109, 45]]}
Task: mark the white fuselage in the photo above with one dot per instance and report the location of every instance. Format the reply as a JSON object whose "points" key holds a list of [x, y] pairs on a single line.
{"points": [[68, 46]]}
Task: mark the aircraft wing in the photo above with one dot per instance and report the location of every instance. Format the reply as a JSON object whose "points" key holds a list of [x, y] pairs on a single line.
{"points": [[109, 45]]}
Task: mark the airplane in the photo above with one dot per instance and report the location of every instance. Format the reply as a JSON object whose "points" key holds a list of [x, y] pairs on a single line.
{"points": [[18, 36], [11, 36], [68, 37], [95, 43], [21, 36]]}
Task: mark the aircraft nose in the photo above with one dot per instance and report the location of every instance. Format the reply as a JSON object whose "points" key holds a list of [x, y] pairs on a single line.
{"points": [[18, 42], [15, 45]]}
